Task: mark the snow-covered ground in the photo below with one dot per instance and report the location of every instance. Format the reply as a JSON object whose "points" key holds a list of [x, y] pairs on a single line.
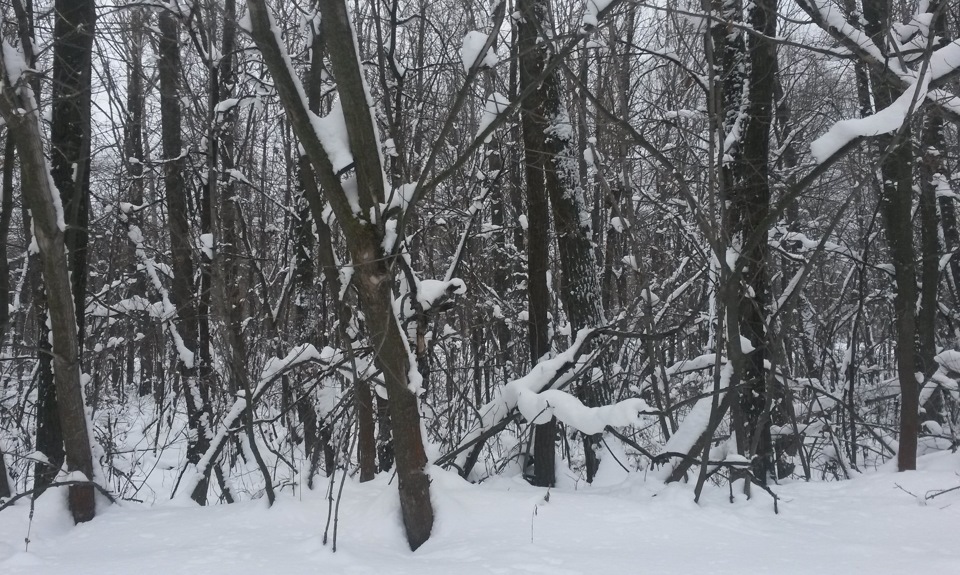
{"points": [[628, 525]]}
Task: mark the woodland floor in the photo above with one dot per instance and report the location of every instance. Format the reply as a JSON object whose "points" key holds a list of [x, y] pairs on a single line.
{"points": [[866, 525]]}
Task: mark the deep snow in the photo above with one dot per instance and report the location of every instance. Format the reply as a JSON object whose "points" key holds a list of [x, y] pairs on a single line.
{"points": [[627, 525]]}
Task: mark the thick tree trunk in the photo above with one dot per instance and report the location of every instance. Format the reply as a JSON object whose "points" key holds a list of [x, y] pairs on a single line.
{"points": [[896, 205], [536, 158], [44, 202], [364, 233], [70, 134], [749, 207], [579, 274]]}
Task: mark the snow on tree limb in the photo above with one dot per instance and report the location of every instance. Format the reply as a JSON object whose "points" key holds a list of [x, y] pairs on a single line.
{"points": [[537, 398], [694, 424], [272, 370], [549, 373], [477, 50], [304, 122], [885, 121], [944, 63]]}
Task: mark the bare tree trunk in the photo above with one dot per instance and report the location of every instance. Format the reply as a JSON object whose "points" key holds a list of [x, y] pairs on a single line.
{"points": [[6, 208], [533, 111], [48, 226], [6, 489], [931, 172], [183, 295], [133, 159], [749, 207], [896, 205], [70, 134], [49, 435], [364, 232]]}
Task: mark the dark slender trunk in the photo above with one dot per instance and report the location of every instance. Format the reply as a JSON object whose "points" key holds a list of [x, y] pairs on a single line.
{"points": [[178, 220], [932, 176], [6, 208], [931, 166], [133, 159], [538, 220], [896, 205], [6, 211], [749, 207]]}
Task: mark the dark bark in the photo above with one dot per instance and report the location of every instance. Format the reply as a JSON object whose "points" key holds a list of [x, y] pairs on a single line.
{"points": [[5, 490], [536, 156], [951, 236], [6, 208], [6, 211], [364, 234], [133, 152], [930, 169], [896, 204], [70, 134], [49, 433], [363, 396], [932, 173], [548, 127], [749, 208], [178, 221]]}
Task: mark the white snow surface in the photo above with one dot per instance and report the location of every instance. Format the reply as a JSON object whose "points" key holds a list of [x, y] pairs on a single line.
{"points": [[495, 105], [473, 43], [332, 131], [431, 291], [622, 524], [591, 14]]}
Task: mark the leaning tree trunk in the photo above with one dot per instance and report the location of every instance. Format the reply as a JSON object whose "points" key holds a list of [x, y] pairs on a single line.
{"points": [[49, 437], [364, 232], [19, 112]]}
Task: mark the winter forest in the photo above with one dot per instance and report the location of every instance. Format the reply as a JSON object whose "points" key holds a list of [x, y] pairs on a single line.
{"points": [[261, 253]]}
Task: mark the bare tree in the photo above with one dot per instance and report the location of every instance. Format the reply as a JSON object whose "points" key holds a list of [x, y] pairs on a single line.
{"points": [[18, 109], [364, 232], [184, 331]]}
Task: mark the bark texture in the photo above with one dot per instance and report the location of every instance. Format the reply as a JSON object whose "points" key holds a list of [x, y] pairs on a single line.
{"points": [[896, 204], [178, 222], [18, 111], [364, 233]]}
